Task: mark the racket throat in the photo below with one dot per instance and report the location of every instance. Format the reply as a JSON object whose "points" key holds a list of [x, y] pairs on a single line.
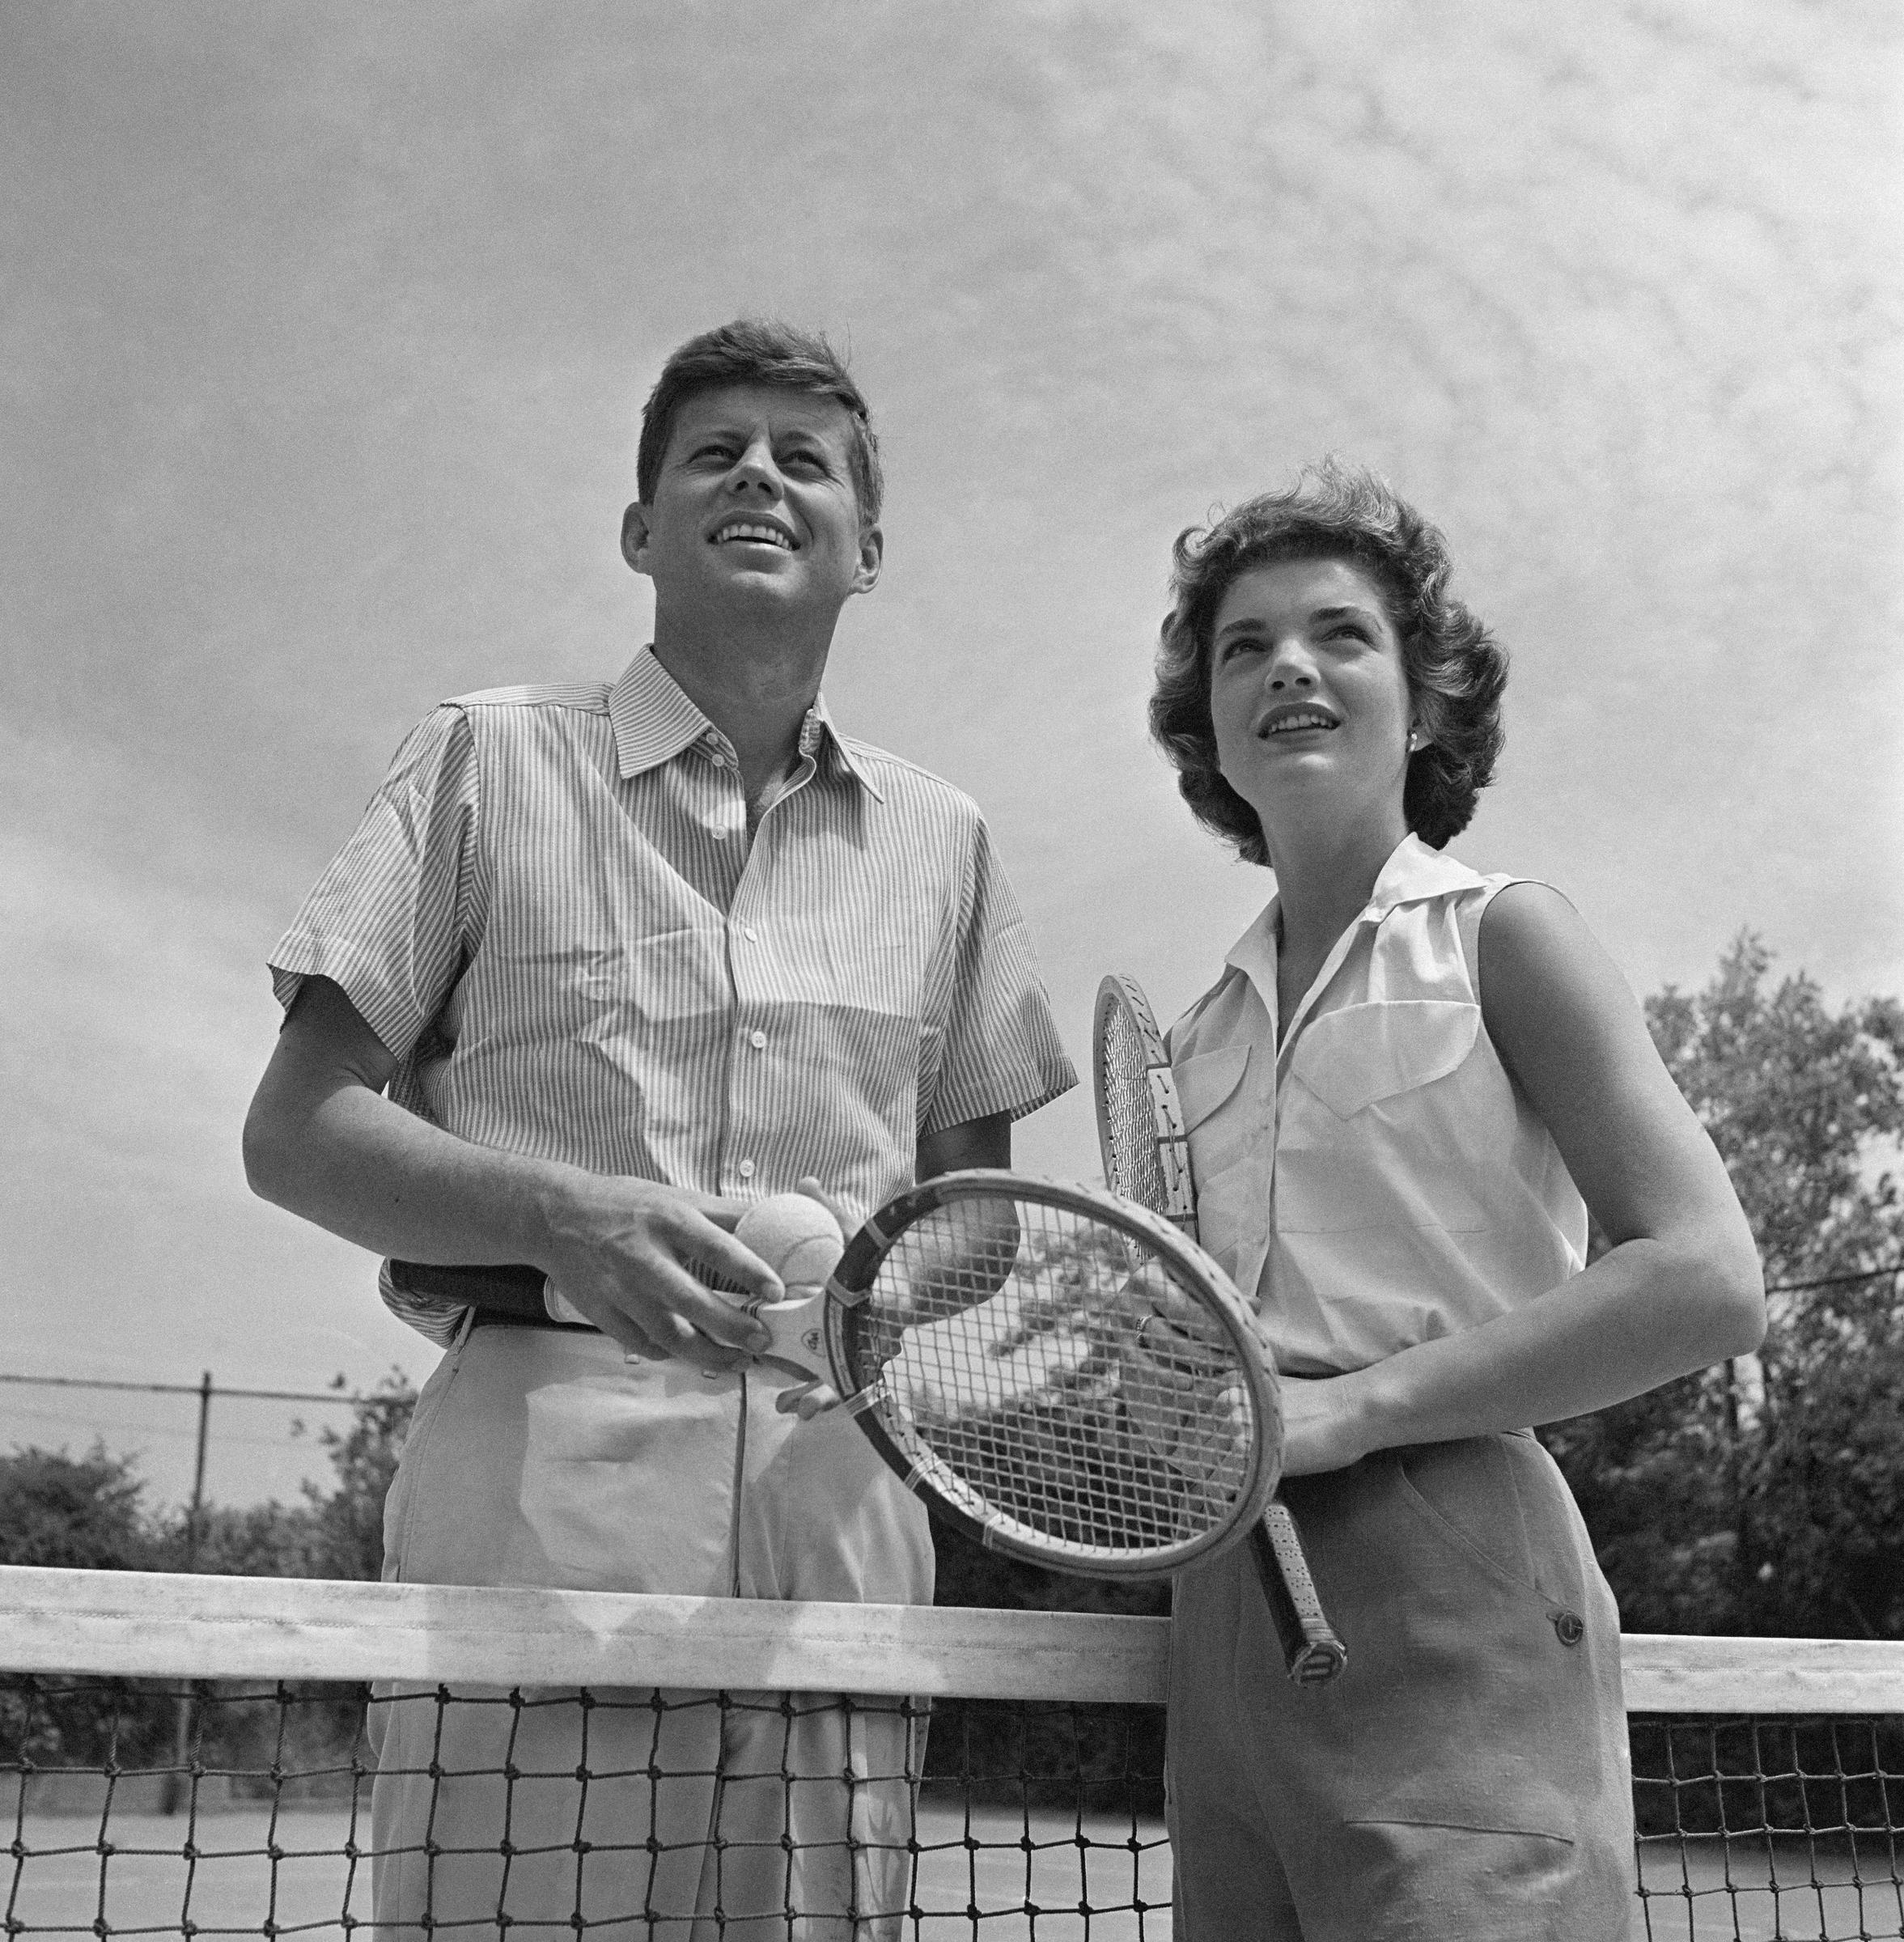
{"points": [[798, 1349]]}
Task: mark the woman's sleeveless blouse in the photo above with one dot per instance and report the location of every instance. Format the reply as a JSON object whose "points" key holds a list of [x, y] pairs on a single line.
{"points": [[1380, 1181]]}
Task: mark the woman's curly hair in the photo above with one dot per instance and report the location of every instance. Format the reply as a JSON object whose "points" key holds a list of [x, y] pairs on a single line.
{"points": [[1456, 670]]}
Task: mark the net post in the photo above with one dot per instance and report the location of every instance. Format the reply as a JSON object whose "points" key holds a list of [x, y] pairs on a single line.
{"points": [[175, 1792]]}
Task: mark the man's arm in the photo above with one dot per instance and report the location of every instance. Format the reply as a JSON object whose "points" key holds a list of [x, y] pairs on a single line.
{"points": [[973, 1143], [322, 1141]]}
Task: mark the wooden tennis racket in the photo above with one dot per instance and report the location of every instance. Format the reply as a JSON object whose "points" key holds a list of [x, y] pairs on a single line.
{"points": [[1065, 1376], [1147, 1159]]}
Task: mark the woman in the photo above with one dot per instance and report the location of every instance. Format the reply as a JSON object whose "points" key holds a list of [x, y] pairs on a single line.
{"points": [[1405, 1095]]}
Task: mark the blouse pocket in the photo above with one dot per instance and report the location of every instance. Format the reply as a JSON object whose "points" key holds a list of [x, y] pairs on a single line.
{"points": [[1225, 1135], [1205, 1082], [1370, 1140], [1352, 1058]]}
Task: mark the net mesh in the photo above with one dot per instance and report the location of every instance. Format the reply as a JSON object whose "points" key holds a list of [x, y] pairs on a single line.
{"points": [[1039, 1363], [251, 1804], [269, 1814], [1758, 1826]]}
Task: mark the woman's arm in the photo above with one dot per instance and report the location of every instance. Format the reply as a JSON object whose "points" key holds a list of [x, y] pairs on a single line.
{"points": [[1679, 1288]]}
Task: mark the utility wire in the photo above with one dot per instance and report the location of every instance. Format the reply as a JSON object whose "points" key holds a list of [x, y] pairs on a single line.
{"points": [[1834, 1281], [194, 1388]]}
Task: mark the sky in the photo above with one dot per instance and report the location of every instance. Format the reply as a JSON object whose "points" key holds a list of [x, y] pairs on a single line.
{"points": [[322, 349]]}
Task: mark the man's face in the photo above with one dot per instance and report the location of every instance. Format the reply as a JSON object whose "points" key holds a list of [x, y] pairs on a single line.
{"points": [[755, 503]]}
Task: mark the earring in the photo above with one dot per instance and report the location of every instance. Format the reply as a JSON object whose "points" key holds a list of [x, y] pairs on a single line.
{"points": [[1414, 740]]}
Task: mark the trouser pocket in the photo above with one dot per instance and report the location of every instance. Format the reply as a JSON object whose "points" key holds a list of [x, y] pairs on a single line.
{"points": [[1493, 1655]]}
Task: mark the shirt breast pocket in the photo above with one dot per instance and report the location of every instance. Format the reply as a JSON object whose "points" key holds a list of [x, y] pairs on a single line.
{"points": [[1369, 1135], [1356, 1058]]}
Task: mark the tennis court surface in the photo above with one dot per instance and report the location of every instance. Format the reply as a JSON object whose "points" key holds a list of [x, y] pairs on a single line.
{"points": [[191, 1755]]}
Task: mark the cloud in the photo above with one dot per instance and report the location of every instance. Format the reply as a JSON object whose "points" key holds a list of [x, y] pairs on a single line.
{"points": [[324, 364], [139, 1018]]}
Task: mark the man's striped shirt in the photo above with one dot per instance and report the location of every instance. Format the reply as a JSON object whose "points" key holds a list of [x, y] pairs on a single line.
{"points": [[553, 914]]}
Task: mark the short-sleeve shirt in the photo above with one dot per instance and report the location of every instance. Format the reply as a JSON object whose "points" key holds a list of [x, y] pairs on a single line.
{"points": [[555, 915], [1378, 1179]]}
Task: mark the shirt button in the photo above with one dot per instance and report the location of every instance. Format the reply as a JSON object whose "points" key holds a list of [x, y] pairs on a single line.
{"points": [[757, 1040], [751, 935], [746, 1169]]}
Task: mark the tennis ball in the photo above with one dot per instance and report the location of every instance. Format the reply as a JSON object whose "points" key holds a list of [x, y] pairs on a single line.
{"points": [[796, 1237]]}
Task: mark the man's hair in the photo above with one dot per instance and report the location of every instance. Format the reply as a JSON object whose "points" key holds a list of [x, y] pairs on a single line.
{"points": [[756, 350], [1456, 670]]}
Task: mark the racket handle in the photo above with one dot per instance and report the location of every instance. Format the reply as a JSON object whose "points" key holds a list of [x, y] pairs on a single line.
{"points": [[1311, 1648]]}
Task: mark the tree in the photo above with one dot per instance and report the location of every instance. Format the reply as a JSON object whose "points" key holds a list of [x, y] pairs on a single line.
{"points": [[333, 1533], [89, 1513], [270, 1539], [1767, 1496], [348, 1536], [83, 1513]]}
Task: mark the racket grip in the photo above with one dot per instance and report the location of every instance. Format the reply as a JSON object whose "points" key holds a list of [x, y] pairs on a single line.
{"points": [[1313, 1652]]}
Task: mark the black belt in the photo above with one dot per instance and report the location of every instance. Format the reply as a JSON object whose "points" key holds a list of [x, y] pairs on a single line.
{"points": [[502, 1297], [501, 1318]]}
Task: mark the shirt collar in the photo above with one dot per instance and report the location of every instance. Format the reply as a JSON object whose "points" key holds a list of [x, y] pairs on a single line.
{"points": [[1413, 873], [653, 718], [819, 730], [654, 721]]}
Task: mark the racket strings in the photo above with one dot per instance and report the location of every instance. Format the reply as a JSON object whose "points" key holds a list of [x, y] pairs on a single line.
{"points": [[1055, 1367], [1135, 1169]]}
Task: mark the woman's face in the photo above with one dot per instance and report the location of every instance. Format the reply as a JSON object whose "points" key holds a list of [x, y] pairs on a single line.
{"points": [[1308, 695]]}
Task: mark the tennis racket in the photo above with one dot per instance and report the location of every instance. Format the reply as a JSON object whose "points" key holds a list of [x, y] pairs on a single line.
{"points": [[1147, 1159], [1064, 1377]]}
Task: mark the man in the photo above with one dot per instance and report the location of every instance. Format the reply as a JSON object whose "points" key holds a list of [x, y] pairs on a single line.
{"points": [[601, 965]]}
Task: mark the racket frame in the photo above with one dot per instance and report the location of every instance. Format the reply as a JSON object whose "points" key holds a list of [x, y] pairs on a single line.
{"points": [[1311, 1648], [1124, 997], [882, 1416]]}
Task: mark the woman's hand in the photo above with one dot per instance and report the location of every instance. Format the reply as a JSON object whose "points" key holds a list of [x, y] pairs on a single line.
{"points": [[1324, 1425]]}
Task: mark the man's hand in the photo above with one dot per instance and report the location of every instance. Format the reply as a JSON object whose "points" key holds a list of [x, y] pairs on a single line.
{"points": [[629, 1255]]}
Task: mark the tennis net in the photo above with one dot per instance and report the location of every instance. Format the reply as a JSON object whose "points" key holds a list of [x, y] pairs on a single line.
{"points": [[196, 1756]]}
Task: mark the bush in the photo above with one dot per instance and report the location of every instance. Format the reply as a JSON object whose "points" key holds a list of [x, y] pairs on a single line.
{"points": [[83, 1513]]}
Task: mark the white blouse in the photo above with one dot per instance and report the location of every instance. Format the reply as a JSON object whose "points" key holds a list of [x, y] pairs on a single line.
{"points": [[1382, 1180]]}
